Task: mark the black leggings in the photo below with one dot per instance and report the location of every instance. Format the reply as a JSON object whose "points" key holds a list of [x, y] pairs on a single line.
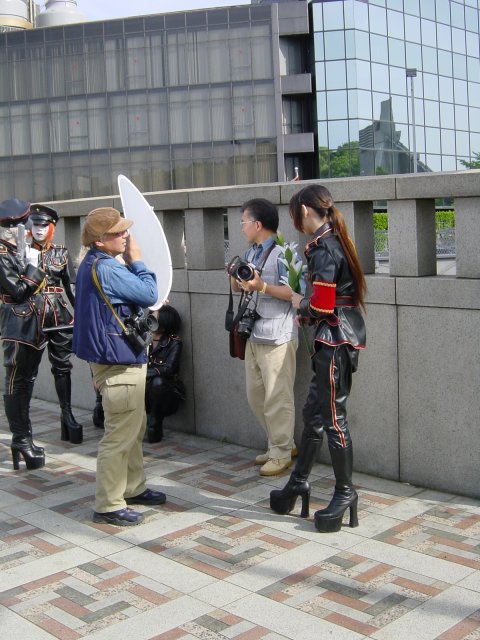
{"points": [[160, 399]]}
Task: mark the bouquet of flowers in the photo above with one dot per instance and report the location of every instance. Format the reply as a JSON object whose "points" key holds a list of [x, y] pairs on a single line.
{"points": [[295, 267]]}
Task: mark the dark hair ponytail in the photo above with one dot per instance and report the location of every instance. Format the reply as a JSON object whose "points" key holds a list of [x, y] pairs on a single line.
{"points": [[320, 199]]}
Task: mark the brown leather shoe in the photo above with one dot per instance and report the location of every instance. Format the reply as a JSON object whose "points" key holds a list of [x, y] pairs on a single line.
{"points": [[264, 457], [275, 466]]}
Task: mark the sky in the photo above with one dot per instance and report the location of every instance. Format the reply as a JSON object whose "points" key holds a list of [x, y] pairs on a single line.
{"points": [[106, 9]]}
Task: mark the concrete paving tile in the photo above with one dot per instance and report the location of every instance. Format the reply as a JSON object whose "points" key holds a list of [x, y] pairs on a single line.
{"points": [[69, 494], [173, 574], [406, 509], [22, 508], [431, 619], [75, 532], [107, 545], [14, 626], [471, 582], [48, 566], [412, 561], [373, 524], [301, 527], [220, 593], [163, 526], [156, 621], [274, 569], [400, 489], [286, 621]]}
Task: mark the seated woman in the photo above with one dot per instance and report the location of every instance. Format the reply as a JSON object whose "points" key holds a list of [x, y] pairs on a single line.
{"points": [[164, 390]]}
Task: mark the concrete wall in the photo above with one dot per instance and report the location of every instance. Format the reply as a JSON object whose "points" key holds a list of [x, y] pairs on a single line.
{"points": [[415, 406]]}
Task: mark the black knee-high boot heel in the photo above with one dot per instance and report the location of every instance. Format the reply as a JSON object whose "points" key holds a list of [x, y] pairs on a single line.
{"points": [[345, 497], [22, 444], [283, 500], [71, 429]]}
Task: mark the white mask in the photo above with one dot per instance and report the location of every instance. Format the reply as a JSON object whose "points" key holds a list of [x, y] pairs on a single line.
{"points": [[9, 234], [40, 231]]}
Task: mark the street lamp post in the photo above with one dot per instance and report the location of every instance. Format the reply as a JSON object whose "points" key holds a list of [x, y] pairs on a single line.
{"points": [[412, 73]]}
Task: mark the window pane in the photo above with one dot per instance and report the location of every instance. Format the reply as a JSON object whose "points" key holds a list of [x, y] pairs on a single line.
{"points": [[332, 16], [337, 105], [412, 29], [398, 81], [444, 37], [430, 86], [447, 115], [458, 41], [378, 19], [460, 92], [334, 45], [379, 48], [445, 62], [395, 24], [414, 55], [432, 118], [429, 56], [429, 33], [380, 77], [396, 52], [336, 76], [458, 15]]}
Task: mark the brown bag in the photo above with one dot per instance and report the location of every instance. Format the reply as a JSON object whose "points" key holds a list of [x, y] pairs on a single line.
{"points": [[237, 344]]}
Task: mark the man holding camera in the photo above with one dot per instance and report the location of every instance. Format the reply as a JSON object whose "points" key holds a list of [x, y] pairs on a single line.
{"points": [[110, 334], [270, 355]]}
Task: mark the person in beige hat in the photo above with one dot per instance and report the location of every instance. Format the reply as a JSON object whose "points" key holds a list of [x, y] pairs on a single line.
{"points": [[109, 294]]}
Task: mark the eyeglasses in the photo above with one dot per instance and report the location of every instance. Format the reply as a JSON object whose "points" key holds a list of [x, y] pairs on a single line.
{"points": [[242, 222]]}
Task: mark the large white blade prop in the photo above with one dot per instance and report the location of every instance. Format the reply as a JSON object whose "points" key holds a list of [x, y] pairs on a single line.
{"points": [[149, 234]]}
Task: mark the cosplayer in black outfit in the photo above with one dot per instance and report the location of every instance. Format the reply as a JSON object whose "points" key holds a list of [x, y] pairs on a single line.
{"points": [[55, 261], [22, 339], [338, 288], [164, 390]]}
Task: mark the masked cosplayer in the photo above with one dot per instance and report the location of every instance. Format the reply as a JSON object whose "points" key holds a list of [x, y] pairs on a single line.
{"points": [[22, 340], [54, 260]]}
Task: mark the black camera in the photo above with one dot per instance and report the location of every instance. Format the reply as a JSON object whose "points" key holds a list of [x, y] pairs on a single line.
{"points": [[246, 322], [139, 330], [238, 268]]}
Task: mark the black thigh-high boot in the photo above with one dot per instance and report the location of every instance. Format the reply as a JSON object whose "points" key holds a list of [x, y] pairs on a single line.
{"points": [[330, 519], [22, 445], [98, 416], [283, 500], [71, 430], [26, 404]]}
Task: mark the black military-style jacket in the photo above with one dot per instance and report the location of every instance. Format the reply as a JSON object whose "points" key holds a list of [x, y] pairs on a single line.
{"points": [[19, 315], [164, 358], [51, 300], [331, 306]]}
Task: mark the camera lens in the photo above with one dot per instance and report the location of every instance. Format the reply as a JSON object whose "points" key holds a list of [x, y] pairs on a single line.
{"points": [[245, 272], [151, 322]]}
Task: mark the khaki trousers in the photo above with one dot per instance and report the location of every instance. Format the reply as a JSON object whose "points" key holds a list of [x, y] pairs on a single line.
{"points": [[120, 472], [270, 377]]}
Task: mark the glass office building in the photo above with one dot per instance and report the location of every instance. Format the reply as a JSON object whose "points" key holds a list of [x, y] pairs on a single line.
{"points": [[239, 95], [364, 98], [190, 99]]}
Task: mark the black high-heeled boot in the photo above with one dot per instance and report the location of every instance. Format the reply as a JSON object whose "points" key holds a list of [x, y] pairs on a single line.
{"points": [[22, 444], [345, 497], [283, 500], [154, 429], [26, 417], [70, 428], [98, 416]]}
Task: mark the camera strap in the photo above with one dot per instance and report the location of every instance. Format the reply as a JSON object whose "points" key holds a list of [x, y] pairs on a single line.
{"points": [[96, 282], [245, 298]]}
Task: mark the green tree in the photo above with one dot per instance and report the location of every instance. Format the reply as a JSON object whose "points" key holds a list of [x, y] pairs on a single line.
{"points": [[340, 163], [474, 164]]}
